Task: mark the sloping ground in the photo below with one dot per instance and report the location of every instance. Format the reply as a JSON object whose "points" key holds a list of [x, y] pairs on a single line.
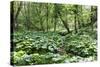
{"points": [[32, 48]]}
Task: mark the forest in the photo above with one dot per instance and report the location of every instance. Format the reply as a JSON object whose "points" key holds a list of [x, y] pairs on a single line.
{"points": [[52, 33]]}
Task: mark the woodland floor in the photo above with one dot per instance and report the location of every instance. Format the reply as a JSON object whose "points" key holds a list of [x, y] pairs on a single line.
{"points": [[31, 48]]}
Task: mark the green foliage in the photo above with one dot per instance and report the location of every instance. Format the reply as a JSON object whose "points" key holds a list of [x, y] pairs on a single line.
{"points": [[30, 40], [43, 48], [82, 45], [47, 33]]}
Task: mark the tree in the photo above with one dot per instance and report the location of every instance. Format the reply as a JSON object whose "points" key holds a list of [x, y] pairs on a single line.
{"points": [[63, 21], [93, 16], [75, 17], [47, 15], [55, 16], [16, 14]]}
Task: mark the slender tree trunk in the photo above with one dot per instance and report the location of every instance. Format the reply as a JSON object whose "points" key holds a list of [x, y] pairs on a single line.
{"points": [[55, 17], [55, 25], [75, 23], [76, 17], [27, 16], [81, 21], [92, 18], [47, 18], [14, 23], [41, 22], [16, 16], [39, 11], [79, 16], [18, 11], [65, 23]]}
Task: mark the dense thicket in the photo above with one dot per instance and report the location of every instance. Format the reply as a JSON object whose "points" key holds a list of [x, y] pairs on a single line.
{"points": [[44, 33]]}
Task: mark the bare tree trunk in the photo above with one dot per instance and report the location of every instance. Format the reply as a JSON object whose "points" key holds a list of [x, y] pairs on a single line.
{"points": [[75, 18], [75, 23], [55, 17], [92, 18], [47, 18], [16, 16], [27, 17], [55, 24], [79, 16], [65, 23]]}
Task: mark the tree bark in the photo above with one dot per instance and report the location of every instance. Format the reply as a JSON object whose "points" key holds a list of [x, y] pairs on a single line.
{"points": [[76, 18], [47, 18], [75, 23], [65, 24], [55, 17], [92, 18], [16, 16]]}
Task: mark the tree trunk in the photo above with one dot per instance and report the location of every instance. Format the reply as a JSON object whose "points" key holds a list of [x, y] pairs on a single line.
{"points": [[75, 23], [55, 23], [55, 17], [76, 18], [16, 16], [65, 24], [92, 18], [47, 18]]}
